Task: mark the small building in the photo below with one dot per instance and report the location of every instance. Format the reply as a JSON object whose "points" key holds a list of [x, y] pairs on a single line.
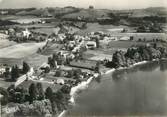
{"points": [[60, 81], [2, 70], [90, 45], [125, 38], [44, 66], [4, 12]]}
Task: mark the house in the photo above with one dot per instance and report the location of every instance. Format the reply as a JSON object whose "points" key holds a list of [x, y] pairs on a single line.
{"points": [[90, 44], [44, 66], [118, 30], [2, 70], [85, 64], [3, 12], [26, 33], [125, 38], [60, 81]]}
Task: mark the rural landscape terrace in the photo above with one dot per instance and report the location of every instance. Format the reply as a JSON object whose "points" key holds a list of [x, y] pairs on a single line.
{"points": [[49, 55]]}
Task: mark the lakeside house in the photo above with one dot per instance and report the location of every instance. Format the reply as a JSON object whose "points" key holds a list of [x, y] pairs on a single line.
{"points": [[85, 64]]}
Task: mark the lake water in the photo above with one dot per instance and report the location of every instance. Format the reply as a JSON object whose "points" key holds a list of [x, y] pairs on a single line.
{"points": [[141, 90]]}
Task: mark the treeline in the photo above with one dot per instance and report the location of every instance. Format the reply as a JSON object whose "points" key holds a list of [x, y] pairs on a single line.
{"points": [[6, 23], [136, 54], [155, 19], [14, 11]]}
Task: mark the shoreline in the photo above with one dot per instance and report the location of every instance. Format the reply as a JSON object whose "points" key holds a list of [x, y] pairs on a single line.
{"points": [[135, 64], [81, 86]]}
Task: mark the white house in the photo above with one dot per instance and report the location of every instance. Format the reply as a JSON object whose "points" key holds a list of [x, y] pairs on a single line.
{"points": [[26, 33], [126, 38], [2, 70], [90, 44], [60, 81]]}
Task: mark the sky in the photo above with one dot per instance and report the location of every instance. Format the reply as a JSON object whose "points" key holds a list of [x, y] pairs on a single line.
{"points": [[99, 4]]}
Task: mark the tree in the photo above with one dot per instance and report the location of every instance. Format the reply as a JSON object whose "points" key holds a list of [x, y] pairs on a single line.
{"points": [[97, 43], [14, 73], [51, 62], [40, 91], [97, 67], [26, 67], [77, 73], [32, 92], [58, 73], [7, 72], [4, 99], [49, 94], [19, 95]]}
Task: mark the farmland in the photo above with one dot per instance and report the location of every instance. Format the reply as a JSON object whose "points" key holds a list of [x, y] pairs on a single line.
{"points": [[6, 43], [20, 50]]}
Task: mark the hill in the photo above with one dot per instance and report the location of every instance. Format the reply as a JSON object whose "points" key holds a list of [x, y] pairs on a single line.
{"points": [[49, 12], [88, 14]]}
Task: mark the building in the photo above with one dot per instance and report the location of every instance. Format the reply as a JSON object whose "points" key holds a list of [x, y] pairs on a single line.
{"points": [[90, 45], [3, 12], [2, 70], [85, 64], [26, 33], [125, 38], [60, 81]]}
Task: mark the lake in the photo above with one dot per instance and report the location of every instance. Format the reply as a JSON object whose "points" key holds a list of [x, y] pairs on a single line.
{"points": [[140, 90]]}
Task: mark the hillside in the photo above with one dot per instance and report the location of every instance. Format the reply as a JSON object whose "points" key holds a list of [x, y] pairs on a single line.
{"points": [[152, 11], [73, 13], [48, 12], [88, 14]]}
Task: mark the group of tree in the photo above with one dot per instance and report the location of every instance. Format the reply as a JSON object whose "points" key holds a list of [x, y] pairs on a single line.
{"points": [[16, 72], [20, 94], [136, 54], [59, 99], [35, 95]]}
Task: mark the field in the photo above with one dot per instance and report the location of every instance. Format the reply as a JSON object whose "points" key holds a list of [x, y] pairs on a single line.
{"points": [[6, 43], [14, 17], [147, 36], [53, 48], [97, 55], [46, 30], [5, 84], [45, 85], [123, 44], [93, 27], [20, 50], [35, 60]]}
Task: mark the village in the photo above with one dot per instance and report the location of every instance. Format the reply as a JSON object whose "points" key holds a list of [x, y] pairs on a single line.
{"points": [[42, 62]]}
